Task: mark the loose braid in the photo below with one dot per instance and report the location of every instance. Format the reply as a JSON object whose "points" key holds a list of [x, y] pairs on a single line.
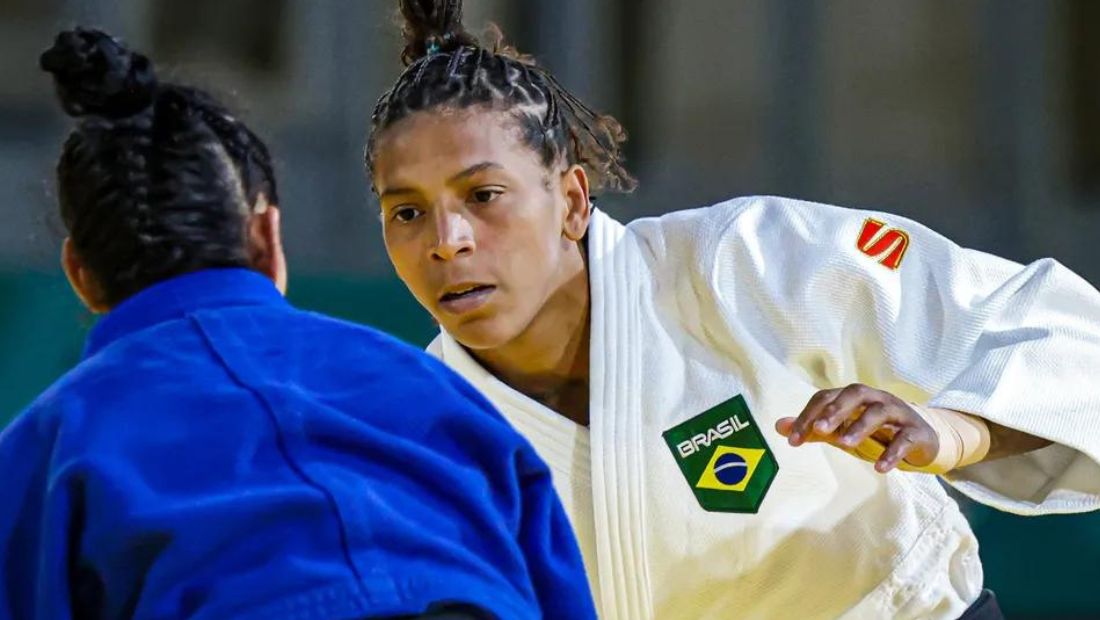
{"points": [[157, 179], [445, 66]]}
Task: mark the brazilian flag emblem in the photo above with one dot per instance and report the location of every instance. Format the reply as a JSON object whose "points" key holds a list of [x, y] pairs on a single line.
{"points": [[724, 458]]}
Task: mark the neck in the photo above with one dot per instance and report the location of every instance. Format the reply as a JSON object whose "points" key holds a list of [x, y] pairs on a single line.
{"points": [[549, 361]]}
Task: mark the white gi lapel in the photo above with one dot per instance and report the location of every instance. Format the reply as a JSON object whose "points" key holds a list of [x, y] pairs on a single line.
{"points": [[616, 271], [507, 399]]}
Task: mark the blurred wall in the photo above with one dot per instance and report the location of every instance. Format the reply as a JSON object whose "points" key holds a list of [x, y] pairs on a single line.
{"points": [[979, 121]]}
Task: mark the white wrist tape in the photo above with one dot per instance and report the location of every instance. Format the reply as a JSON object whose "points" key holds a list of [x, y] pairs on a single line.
{"points": [[964, 439]]}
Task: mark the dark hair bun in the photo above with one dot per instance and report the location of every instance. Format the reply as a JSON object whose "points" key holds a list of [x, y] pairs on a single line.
{"points": [[97, 75], [433, 26]]}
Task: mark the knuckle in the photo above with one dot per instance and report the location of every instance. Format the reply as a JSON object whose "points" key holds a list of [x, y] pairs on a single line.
{"points": [[858, 430]]}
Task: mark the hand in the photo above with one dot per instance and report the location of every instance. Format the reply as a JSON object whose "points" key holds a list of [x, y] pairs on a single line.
{"points": [[870, 424]]}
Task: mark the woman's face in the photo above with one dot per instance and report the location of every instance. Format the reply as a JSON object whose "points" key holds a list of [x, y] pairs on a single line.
{"points": [[478, 228]]}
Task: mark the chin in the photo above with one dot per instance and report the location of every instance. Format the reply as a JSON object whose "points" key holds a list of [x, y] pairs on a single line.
{"points": [[481, 333]]}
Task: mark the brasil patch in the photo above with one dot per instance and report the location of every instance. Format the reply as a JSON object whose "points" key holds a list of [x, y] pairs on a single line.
{"points": [[724, 458]]}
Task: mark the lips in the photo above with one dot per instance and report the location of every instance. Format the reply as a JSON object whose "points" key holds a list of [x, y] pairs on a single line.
{"points": [[465, 297]]}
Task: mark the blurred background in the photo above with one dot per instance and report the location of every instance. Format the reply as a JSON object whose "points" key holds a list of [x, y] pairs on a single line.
{"points": [[980, 119]]}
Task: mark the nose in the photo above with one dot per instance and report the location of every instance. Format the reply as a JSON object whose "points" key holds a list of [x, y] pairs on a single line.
{"points": [[454, 236]]}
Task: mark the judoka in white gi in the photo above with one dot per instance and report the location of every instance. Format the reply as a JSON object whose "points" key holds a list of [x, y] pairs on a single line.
{"points": [[714, 388]]}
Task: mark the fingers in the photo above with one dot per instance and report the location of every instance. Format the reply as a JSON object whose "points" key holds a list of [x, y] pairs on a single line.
{"points": [[784, 426], [801, 429], [829, 409], [847, 404], [869, 449], [858, 416], [869, 422], [899, 448]]}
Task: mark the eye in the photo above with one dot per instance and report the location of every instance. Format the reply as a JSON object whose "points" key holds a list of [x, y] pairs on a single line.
{"points": [[485, 195], [405, 215]]}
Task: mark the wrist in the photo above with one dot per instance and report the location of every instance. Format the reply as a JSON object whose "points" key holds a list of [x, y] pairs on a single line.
{"points": [[964, 439]]}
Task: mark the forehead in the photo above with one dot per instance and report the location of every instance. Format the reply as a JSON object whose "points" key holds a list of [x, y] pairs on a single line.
{"points": [[439, 143]]}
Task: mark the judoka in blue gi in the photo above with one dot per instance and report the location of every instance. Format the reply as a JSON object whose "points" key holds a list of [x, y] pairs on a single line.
{"points": [[218, 453]]}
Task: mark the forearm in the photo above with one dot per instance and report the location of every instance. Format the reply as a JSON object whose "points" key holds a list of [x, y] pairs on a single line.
{"points": [[1004, 442], [967, 439]]}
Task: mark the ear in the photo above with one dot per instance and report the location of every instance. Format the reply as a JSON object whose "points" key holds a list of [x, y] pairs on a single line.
{"points": [[574, 187], [81, 279], [265, 243]]}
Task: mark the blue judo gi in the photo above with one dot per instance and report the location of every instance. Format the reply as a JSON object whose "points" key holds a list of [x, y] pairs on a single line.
{"points": [[218, 453]]}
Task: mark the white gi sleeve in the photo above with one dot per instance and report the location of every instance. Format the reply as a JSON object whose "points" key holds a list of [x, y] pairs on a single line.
{"points": [[855, 296]]}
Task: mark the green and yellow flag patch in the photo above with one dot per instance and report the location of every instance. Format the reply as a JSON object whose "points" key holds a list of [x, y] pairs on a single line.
{"points": [[724, 458]]}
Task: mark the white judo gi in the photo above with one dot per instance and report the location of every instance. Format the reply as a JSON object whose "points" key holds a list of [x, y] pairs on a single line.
{"points": [[709, 325]]}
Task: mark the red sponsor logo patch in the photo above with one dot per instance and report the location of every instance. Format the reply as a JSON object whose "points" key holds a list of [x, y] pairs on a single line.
{"points": [[886, 245]]}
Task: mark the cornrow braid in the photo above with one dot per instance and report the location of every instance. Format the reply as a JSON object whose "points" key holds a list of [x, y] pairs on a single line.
{"points": [[448, 67], [157, 179], [129, 154], [248, 153]]}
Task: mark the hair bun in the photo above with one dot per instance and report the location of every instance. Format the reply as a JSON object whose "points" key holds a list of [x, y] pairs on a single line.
{"points": [[433, 26], [97, 75]]}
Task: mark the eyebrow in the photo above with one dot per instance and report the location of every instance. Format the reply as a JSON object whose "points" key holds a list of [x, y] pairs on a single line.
{"points": [[396, 191], [469, 172], [474, 169]]}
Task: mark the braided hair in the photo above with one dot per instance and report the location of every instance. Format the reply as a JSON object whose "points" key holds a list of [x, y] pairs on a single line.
{"points": [[157, 179], [446, 66]]}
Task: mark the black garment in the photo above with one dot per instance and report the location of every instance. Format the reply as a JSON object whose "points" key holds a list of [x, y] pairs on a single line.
{"points": [[985, 608], [451, 612]]}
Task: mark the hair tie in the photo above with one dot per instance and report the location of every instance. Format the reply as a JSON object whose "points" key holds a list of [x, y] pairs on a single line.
{"points": [[436, 43]]}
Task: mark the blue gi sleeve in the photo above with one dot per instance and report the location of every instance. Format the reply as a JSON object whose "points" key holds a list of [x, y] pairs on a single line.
{"points": [[34, 526], [545, 536], [548, 542]]}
